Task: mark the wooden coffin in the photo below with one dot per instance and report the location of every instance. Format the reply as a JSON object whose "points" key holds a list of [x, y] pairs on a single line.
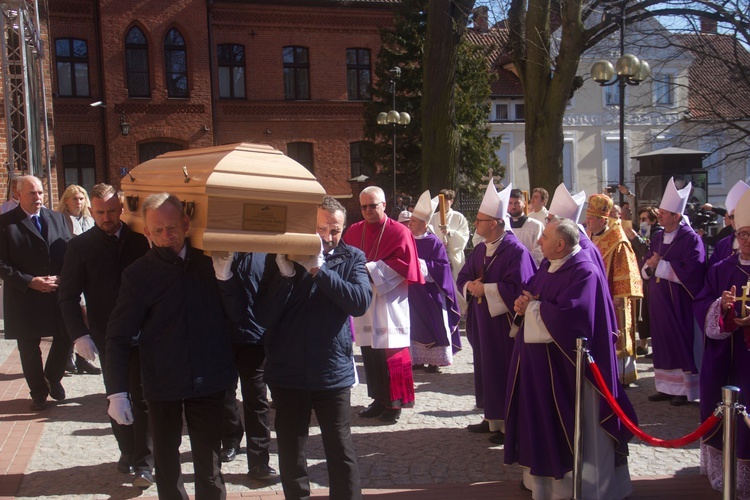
{"points": [[239, 197]]}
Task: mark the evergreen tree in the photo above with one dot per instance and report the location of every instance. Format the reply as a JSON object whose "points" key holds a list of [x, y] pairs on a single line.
{"points": [[403, 46]]}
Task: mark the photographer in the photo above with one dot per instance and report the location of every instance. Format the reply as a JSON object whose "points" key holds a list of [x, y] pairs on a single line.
{"points": [[704, 216]]}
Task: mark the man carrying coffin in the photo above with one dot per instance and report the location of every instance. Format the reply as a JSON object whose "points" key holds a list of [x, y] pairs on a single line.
{"points": [[383, 332], [433, 305], [491, 279], [565, 300]]}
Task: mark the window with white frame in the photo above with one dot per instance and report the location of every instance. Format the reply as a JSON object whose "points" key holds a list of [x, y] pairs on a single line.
{"points": [[664, 89], [612, 95], [509, 111], [503, 154]]}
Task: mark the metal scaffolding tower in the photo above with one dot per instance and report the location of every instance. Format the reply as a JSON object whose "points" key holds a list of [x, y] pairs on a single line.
{"points": [[24, 95]]}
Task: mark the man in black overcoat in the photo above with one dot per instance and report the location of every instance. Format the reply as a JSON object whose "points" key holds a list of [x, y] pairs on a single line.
{"points": [[33, 241]]}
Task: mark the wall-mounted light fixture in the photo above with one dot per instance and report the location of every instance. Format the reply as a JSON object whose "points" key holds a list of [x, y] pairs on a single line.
{"points": [[124, 126], [98, 104]]}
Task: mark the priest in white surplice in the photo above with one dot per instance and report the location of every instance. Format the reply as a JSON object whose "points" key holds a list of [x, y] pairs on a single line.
{"points": [[383, 332]]}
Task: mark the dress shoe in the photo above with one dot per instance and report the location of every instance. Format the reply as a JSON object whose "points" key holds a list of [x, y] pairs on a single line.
{"points": [[228, 454], [641, 351], [84, 366], [38, 404], [659, 396], [125, 464], [479, 428], [143, 479], [417, 367], [261, 472], [497, 438], [432, 369], [390, 415], [56, 390], [70, 366], [679, 401], [375, 409]]}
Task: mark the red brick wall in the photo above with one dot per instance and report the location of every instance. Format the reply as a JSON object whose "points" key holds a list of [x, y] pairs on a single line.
{"points": [[328, 120]]}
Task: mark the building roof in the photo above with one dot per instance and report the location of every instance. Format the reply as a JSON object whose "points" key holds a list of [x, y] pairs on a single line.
{"points": [[719, 88], [507, 84]]}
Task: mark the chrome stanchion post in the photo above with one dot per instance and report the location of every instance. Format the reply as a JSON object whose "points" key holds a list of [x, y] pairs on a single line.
{"points": [[729, 396], [578, 429]]}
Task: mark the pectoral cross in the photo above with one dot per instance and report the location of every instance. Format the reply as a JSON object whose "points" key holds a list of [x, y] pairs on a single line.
{"points": [[744, 299]]}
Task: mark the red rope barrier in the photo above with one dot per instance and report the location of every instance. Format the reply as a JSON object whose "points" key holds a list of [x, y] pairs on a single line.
{"points": [[664, 443]]}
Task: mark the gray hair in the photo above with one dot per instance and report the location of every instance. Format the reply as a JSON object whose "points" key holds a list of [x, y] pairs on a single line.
{"points": [[332, 205], [155, 202], [23, 179], [374, 190], [568, 231]]}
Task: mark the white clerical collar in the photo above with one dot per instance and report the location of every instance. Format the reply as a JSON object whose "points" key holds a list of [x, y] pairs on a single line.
{"points": [[423, 236], [183, 252], [556, 264], [492, 246], [744, 262]]}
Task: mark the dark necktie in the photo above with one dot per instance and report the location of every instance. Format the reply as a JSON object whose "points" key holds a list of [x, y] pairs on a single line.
{"points": [[37, 223]]}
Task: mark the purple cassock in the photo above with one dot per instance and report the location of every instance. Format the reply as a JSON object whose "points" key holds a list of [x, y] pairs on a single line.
{"points": [[671, 304], [541, 385], [722, 250], [510, 267], [725, 361], [589, 248], [427, 302]]}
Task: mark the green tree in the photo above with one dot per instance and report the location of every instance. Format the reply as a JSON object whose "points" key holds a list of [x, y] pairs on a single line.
{"points": [[404, 46]]}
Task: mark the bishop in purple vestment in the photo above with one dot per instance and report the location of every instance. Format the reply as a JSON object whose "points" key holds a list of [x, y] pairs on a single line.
{"points": [[726, 357], [565, 300]]}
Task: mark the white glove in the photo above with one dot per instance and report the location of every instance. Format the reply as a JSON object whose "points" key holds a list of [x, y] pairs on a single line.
{"points": [[286, 268], [120, 409], [314, 261], [86, 347], [223, 265]]}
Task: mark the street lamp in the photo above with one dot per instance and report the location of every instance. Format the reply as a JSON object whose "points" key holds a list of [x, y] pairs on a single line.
{"points": [[394, 118], [628, 70]]}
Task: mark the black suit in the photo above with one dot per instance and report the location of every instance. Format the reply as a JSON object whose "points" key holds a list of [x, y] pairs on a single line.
{"points": [[93, 266], [30, 314]]}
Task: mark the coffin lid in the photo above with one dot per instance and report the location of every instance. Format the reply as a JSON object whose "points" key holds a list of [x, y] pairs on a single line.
{"points": [[226, 183]]}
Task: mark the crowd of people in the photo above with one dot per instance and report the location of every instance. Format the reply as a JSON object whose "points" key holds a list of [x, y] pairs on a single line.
{"points": [[176, 331]]}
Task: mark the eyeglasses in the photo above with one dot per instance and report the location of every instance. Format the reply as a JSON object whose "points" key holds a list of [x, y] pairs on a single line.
{"points": [[743, 235], [371, 206]]}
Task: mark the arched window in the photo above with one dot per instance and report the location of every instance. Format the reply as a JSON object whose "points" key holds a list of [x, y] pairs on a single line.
{"points": [[149, 150], [358, 159], [136, 63], [301, 152], [72, 58], [175, 62]]}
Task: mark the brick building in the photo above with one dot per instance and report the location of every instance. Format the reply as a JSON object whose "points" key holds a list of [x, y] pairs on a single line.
{"points": [[178, 74]]}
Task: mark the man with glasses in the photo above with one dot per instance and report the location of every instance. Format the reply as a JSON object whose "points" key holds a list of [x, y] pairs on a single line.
{"points": [[491, 280], [384, 331], [674, 268], [723, 315]]}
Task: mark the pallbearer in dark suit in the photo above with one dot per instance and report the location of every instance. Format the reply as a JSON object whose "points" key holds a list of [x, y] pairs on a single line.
{"points": [[33, 240]]}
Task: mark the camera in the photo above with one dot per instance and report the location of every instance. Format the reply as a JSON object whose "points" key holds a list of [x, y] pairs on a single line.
{"points": [[612, 189], [700, 218]]}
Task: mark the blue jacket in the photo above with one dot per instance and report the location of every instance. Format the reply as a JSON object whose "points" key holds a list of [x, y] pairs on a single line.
{"points": [[239, 295], [308, 340]]}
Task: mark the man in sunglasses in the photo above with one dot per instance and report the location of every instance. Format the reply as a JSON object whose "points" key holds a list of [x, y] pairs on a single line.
{"points": [[384, 331]]}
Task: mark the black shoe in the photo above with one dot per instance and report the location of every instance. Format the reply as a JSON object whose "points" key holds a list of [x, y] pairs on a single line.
{"points": [[432, 369], [261, 472], [659, 396], [143, 479], [417, 367], [125, 464], [523, 486], [641, 351], [497, 438], [83, 365], [679, 401], [228, 454], [70, 367], [375, 409], [480, 428], [649, 355], [390, 415], [38, 403], [56, 390]]}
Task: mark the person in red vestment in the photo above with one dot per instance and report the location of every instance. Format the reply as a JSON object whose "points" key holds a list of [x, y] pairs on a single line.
{"points": [[383, 332]]}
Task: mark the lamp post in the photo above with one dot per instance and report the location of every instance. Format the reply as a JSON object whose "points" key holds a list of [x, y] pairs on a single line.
{"points": [[394, 118], [628, 70]]}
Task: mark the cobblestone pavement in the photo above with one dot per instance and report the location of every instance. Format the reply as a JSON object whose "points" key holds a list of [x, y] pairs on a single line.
{"points": [[76, 455]]}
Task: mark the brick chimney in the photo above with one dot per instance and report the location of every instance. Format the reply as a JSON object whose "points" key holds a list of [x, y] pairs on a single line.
{"points": [[708, 25], [480, 18]]}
